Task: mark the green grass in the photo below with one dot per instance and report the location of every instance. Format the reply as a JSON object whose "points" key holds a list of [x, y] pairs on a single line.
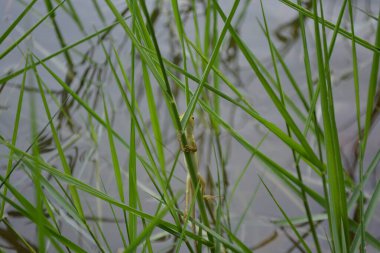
{"points": [[89, 145]]}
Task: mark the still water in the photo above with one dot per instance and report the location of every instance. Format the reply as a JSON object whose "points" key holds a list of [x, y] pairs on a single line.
{"points": [[85, 70]]}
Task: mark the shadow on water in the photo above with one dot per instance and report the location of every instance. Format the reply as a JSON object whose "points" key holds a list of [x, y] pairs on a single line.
{"points": [[11, 240], [289, 32]]}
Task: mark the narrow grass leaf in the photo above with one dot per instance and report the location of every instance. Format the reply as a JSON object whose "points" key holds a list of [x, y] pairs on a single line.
{"points": [[26, 34], [64, 163], [12, 26], [306, 247]]}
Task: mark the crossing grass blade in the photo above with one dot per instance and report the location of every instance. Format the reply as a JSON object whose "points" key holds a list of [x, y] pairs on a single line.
{"points": [[330, 25], [338, 210], [285, 114], [167, 226], [25, 35], [10, 76], [297, 165], [64, 163], [36, 177], [191, 106], [304, 244], [367, 215], [17, 21], [15, 131]]}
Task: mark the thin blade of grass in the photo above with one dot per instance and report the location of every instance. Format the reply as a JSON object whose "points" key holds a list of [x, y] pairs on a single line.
{"points": [[12, 26], [36, 175], [191, 106], [358, 121], [15, 132], [167, 226], [148, 229], [26, 34], [294, 229], [297, 165], [338, 212], [285, 114], [10, 76], [64, 163], [330, 25]]}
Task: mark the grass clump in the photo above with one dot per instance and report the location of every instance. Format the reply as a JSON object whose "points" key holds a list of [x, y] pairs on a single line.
{"points": [[90, 157]]}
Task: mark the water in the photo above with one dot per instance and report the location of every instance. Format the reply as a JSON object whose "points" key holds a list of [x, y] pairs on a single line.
{"points": [[89, 161]]}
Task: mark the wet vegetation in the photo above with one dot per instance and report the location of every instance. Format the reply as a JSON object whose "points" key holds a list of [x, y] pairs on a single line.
{"points": [[96, 97]]}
